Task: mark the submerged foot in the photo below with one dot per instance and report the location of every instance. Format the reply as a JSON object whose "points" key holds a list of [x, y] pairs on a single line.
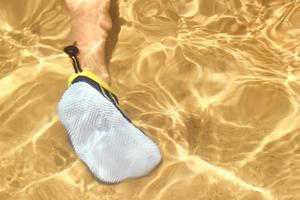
{"points": [[112, 147], [104, 138]]}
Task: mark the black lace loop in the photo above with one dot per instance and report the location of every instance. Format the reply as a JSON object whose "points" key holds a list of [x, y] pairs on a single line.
{"points": [[73, 51]]}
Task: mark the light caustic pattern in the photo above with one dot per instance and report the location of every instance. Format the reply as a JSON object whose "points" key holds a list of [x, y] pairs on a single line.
{"points": [[216, 83]]}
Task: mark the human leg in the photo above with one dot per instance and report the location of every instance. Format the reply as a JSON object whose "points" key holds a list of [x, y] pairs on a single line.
{"points": [[90, 26]]}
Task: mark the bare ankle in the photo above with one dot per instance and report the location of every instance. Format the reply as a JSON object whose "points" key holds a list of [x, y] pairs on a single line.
{"points": [[91, 24], [97, 65]]}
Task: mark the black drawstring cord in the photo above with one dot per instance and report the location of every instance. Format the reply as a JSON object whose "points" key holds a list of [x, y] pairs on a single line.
{"points": [[73, 51]]}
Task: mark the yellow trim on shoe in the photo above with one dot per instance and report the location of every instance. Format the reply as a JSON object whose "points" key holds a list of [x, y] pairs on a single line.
{"points": [[92, 76]]}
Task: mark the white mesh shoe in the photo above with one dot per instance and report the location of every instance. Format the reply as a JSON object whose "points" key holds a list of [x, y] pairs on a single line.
{"points": [[111, 146]]}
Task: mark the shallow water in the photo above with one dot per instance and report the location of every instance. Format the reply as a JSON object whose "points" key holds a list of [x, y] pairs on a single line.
{"points": [[215, 83]]}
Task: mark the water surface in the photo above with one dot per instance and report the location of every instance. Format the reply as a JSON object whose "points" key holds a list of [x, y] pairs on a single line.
{"points": [[215, 83]]}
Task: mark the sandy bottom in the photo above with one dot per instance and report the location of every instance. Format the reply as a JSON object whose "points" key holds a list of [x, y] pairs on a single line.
{"points": [[216, 83]]}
